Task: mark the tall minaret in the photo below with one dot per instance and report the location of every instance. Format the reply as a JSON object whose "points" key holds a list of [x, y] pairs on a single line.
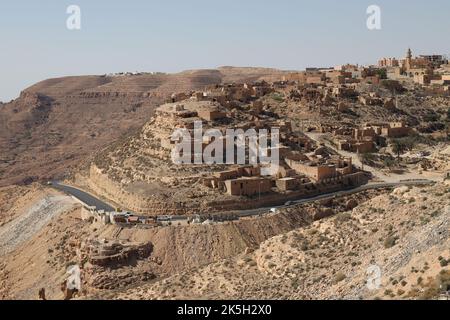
{"points": [[408, 61], [409, 54]]}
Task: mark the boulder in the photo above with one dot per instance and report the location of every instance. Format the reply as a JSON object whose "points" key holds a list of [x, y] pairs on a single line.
{"points": [[342, 107], [327, 202], [389, 104], [324, 213], [400, 190], [351, 204]]}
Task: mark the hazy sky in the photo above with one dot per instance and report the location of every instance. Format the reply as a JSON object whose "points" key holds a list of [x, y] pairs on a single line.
{"points": [[174, 35]]}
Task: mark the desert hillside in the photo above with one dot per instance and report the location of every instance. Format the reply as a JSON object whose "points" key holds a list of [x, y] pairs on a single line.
{"points": [[316, 250], [405, 233], [57, 123], [45, 232]]}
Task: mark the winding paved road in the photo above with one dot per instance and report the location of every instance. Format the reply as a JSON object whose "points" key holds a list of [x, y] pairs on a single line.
{"points": [[82, 196], [388, 181], [252, 212], [90, 200]]}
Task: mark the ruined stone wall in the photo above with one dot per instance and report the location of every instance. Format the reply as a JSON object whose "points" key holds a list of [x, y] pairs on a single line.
{"points": [[317, 173], [248, 187], [396, 132]]}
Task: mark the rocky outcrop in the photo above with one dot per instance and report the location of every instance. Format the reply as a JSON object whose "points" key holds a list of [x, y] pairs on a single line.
{"points": [[323, 213], [114, 253], [351, 204]]}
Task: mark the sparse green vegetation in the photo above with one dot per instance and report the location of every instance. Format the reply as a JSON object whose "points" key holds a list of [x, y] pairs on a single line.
{"points": [[338, 277], [401, 145], [277, 97], [432, 288], [390, 242], [443, 262]]}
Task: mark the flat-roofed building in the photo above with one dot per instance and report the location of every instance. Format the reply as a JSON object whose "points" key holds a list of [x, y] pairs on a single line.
{"points": [[248, 186], [288, 183]]}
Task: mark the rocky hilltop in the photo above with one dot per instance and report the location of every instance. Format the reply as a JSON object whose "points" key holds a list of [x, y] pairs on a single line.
{"points": [[57, 123]]}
